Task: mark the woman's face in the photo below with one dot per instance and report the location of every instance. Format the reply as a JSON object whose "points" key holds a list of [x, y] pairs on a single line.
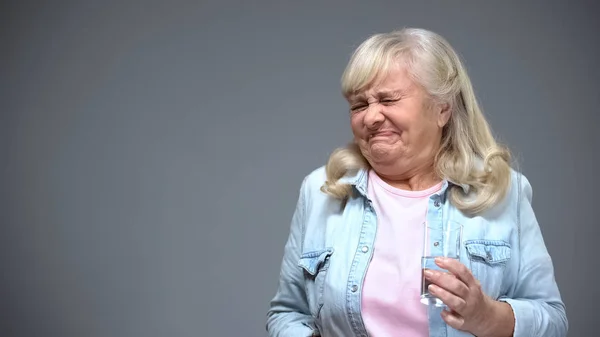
{"points": [[396, 125]]}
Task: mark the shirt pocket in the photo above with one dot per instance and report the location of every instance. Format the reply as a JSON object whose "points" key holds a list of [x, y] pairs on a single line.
{"points": [[488, 259], [315, 264]]}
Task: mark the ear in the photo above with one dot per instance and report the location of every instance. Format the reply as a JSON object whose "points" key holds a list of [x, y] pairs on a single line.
{"points": [[444, 114]]}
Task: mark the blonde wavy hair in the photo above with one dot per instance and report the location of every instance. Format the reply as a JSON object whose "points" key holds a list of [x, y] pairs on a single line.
{"points": [[468, 156]]}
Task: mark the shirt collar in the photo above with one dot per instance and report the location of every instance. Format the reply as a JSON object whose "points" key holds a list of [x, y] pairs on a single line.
{"points": [[359, 179]]}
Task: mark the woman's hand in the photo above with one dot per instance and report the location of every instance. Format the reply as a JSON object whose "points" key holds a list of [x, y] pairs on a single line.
{"points": [[470, 309]]}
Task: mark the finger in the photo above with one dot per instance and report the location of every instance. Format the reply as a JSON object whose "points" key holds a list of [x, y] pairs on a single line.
{"points": [[455, 267], [453, 319], [452, 301], [448, 282]]}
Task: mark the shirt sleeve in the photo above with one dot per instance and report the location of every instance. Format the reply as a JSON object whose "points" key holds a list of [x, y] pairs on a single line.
{"points": [[289, 314], [536, 302]]}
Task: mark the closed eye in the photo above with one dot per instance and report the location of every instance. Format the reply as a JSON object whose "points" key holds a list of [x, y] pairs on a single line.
{"points": [[389, 101], [358, 107]]}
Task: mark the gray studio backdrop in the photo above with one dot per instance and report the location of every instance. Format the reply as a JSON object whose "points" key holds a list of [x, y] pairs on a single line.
{"points": [[151, 152]]}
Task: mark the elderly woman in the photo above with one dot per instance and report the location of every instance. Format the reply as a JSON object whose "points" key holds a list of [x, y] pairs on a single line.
{"points": [[422, 153]]}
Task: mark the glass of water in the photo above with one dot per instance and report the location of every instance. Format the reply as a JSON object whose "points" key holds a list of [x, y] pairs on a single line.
{"points": [[440, 240]]}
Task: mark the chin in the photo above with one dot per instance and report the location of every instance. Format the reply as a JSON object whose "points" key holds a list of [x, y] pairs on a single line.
{"points": [[382, 152], [381, 159]]}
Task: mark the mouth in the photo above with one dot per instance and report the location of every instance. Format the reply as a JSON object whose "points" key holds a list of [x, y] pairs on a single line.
{"points": [[381, 134]]}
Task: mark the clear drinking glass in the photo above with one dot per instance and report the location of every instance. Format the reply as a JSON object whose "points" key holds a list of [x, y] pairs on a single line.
{"points": [[438, 242]]}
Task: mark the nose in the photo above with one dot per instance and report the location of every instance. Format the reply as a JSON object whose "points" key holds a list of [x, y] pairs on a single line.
{"points": [[373, 116]]}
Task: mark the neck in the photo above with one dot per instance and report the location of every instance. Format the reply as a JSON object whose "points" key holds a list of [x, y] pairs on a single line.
{"points": [[417, 181]]}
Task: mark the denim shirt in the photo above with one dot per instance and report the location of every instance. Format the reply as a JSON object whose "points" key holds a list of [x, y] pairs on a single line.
{"points": [[330, 245]]}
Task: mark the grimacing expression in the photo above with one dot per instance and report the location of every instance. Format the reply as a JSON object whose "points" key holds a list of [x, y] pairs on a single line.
{"points": [[395, 124]]}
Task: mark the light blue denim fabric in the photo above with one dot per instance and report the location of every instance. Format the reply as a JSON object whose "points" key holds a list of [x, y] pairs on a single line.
{"points": [[330, 246]]}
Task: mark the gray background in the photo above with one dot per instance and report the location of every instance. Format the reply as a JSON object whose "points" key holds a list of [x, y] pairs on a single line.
{"points": [[152, 152]]}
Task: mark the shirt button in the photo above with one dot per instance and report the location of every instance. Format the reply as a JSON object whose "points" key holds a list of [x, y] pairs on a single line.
{"points": [[354, 288], [436, 203], [436, 243], [489, 256], [365, 249]]}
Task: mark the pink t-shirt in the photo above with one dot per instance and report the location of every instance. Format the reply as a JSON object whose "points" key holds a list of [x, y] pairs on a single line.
{"points": [[391, 293]]}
